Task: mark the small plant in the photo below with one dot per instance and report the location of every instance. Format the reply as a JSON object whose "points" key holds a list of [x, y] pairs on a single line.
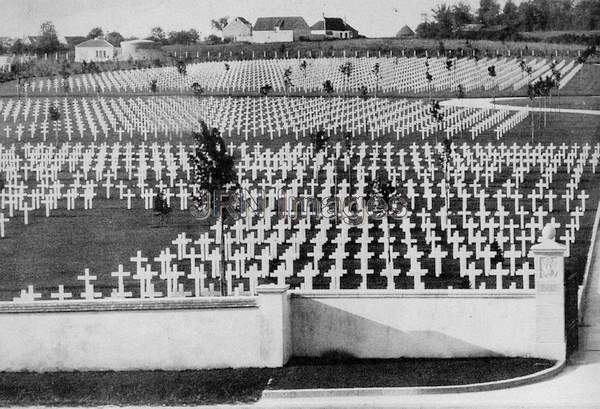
{"points": [[376, 73], [154, 86], [181, 67], [492, 74], [198, 90], [287, 79], [265, 90], [303, 66], [319, 141], [363, 92], [54, 114], [346, 70]]}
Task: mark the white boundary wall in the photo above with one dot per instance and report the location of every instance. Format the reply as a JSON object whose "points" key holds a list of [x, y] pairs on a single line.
{"points": [[264, 331], [445, 323], [146, 334]]}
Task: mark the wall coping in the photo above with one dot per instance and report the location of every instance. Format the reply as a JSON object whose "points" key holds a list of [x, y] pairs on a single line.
{"points": [[128, 304], [454, 293]]}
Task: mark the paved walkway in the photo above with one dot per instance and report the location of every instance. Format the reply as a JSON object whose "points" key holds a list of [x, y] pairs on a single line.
{"points": [[488, 103], [578, 386]]}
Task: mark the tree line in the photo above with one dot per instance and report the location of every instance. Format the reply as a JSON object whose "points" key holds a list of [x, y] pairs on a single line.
{"points": [[450, 21]]}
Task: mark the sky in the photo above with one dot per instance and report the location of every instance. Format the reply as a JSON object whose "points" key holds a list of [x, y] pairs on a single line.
{"points": [[373, 18]]}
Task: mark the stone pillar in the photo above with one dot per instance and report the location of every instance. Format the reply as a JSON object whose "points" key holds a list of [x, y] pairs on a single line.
{"points": [[276, 334], [550, 342]]}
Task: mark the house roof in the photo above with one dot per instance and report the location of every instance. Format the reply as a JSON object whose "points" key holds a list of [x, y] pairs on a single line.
{"points": [[405, 31], [95, 43], [243, 20], [350, 28], [332, 23], [74, 40], [284, 23]]}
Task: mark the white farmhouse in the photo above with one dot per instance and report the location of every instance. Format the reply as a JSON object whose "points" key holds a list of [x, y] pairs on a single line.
{"points": [[236, 28], [97, 49]]}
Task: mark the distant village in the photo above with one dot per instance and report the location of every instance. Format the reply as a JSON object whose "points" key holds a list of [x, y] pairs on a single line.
{"points": [[96, 47]]}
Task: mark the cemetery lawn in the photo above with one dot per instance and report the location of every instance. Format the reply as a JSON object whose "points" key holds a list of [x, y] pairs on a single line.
{"points": [[568, 102], [246, 385]]}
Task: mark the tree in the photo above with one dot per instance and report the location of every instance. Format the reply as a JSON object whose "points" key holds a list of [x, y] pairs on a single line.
{"points": [[445, 19], [376, 73], [115, 38], [287, 79], [383, 190], [510, 15], [492, 74], [303, 66], [328, 89], [319, 141], [213, 39], [19, 48], [586, 15], [54, 117], [48, 41], [181, 67], [428, 77], [219, 24], [216, 181], [157, 34], [489, 12], [435, 111], [461, 15], [346, 70], [197, 88], [96, 32], [427, 30], [65, 73], [265, 90], [183, 37]]}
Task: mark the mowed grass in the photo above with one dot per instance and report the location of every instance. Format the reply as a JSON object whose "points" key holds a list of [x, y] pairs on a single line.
{"points": [[219, 386], [52, 251], [557, 102], [585, 82]]}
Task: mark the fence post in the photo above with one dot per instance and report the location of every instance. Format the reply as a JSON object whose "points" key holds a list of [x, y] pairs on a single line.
{"points": [[550, 342], [275, 328]]}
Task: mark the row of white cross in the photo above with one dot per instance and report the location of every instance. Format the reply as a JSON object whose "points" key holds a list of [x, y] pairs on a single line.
{"points": [[151, 118], [481, 178], [395, 74]]}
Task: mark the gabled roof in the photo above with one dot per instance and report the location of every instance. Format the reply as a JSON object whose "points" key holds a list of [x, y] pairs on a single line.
{"points": [[405, 31], [331, 23], [284, 23], [243, 20], [350, 28], [95, 43], [74, 40]]}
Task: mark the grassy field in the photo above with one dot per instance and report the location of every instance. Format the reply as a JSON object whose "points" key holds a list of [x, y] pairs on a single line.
{"points": [[218, 386], [52, 251], [564, 102]]}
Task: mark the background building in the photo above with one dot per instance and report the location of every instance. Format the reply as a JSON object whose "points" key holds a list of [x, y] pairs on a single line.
{"points": [[332, 28], [140, 50], [97, 49], [236, 28], [280, 29]]}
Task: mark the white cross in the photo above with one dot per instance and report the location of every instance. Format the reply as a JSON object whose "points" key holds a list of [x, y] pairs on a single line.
{"points": [[120, 274], [3, 220], [61, 295], [89, 293]]}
